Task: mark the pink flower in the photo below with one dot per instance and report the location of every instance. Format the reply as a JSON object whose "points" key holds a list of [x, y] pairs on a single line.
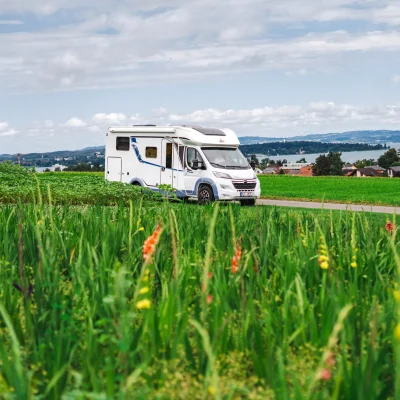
{"points": [[325, 375]]}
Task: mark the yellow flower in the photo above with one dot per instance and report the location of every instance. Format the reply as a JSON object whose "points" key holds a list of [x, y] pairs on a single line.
{"points": [[324, 265], [144, 290], [397, 332], [143, 304], [141, 229], [396, 295], [354, 258], [304, 243], [145, 278], [323, 258], [354, 264], [211, 390]]}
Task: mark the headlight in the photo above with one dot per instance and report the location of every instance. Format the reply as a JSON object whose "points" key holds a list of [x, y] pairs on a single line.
{"points": [[222, 175]]}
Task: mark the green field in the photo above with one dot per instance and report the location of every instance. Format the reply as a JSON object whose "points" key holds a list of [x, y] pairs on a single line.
{"points": [[384, 191], [308, 309]]}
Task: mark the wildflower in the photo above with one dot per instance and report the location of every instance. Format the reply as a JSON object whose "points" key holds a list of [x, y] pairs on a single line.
{"points": [[389, 226], [144, 290], [331, 360], [304, 243], [141, 229], [209, 299], [150, 243], [211, 390], [325, 375], [143, 304], [324, 265], [210, 275], [353, 264], [322, 258], [235, 259]]}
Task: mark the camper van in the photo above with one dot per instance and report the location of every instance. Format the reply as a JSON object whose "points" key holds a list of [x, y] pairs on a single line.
{"points": [[200, 163]]}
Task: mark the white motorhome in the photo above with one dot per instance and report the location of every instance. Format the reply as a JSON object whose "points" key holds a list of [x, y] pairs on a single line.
{"points": [[201, 163]]}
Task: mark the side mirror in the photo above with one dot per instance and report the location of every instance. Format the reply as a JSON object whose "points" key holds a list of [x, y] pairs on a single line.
{"points": [[197, 164], [253, 165]]}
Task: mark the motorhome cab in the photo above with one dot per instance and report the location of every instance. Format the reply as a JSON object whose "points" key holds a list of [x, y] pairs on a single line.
{"points": [[197, 162]]}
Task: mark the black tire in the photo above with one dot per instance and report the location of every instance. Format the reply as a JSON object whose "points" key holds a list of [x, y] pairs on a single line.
{"points": [[205, 195], [248, 202]]}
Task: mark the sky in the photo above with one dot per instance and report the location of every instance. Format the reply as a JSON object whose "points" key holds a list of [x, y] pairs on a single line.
{"points": [[274, 68]]}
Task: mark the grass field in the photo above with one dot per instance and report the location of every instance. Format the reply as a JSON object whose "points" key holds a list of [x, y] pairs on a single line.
{"points": [[384, 191], [222, 302]]}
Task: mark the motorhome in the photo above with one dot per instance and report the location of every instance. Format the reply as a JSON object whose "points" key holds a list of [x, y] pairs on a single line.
{"points": [[201, 163]]}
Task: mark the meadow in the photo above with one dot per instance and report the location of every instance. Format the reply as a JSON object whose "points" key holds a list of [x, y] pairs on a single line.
{"points": [[138, 298], [379, 191]]}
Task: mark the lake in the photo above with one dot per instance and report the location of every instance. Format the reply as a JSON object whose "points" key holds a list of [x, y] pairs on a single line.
{"points": [[348, 157]]}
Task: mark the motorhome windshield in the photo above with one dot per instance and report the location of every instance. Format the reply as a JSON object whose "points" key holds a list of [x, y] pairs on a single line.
{"points": [[221, 157]]}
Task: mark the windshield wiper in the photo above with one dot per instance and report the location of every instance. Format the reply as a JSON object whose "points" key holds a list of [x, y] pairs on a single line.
{"points": [[218, 165], [235, 167]]}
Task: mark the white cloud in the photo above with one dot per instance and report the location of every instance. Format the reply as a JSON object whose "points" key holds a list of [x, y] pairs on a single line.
{"points": [[184, 41], [3, 126], [10, 132], [10, 22], [396, 78], [48, 124], [74, 123], [113, 118]]}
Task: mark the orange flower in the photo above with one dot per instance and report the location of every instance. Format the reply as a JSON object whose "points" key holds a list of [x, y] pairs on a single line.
{"points": [[236, 259], [209, 299], [389, 227], [149, 246], [210, 275]]}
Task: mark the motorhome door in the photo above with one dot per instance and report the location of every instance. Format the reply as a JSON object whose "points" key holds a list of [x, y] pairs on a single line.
{"points": [[167, 162], [114, 169]]}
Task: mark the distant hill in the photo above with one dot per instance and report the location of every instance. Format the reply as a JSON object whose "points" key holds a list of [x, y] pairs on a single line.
{"points": [[369, 137]]}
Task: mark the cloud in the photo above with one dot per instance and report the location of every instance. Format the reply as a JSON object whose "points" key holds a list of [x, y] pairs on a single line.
{"points": [[3, 126], [290, 117], [10, 22], [10, 132], [74, 123], [113, 118], [178, 40], [396, 78]]}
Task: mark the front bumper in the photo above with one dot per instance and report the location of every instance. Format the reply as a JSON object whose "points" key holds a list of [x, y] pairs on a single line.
{"points": [[226, 191]]}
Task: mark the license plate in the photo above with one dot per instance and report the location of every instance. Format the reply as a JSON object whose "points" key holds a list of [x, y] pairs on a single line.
{"points": [[246, 194]]}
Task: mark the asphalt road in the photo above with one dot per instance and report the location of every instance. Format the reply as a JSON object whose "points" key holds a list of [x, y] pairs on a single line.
{"points": [[330, 206]]}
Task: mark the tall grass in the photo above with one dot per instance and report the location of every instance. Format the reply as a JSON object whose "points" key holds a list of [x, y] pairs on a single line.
{"points": [[71, 278]]}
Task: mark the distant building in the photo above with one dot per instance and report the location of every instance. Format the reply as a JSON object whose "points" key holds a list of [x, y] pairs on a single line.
{"points": [[306, 171], [294, 166], [271, 170], [394, 172], [374, 171]]}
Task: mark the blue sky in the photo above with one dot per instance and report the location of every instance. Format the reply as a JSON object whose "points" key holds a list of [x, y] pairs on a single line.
{"points": [[71, 68]]}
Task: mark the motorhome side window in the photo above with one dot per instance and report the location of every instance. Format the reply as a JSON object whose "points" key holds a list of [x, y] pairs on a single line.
{"points": [[151, 152], [193, 154], [123, 143]]}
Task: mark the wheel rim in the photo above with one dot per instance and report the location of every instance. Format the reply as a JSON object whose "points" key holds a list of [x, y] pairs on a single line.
{"points": [[204, 196]]}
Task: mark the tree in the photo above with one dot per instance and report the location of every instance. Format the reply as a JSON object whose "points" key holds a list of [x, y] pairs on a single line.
{"points": [[330, 164], [254, 158], [387, 160], [302, 161]]}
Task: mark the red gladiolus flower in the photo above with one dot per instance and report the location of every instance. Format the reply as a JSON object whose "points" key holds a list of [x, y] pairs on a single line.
{"points": [[389, 227]]}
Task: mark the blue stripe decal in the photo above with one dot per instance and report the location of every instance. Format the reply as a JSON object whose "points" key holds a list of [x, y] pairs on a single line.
{"points": [[139, 157]]}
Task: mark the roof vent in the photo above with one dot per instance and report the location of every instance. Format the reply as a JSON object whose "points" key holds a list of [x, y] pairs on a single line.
{"points": [[210, 131]]}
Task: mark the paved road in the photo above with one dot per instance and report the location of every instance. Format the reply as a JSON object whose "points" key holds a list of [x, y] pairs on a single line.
{"points": [[330, 206]]}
